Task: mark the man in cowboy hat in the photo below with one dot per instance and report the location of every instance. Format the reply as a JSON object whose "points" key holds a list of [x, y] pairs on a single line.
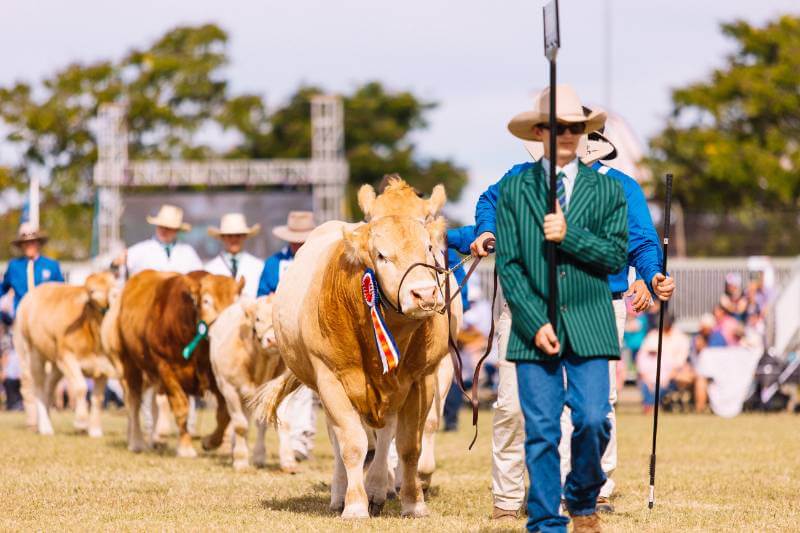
{"points": [[644, 254], [589, 230], [300, 404], [31, 268], [233, 261], [162, 252]]}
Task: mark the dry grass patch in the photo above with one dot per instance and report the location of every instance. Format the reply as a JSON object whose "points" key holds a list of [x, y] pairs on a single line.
{"points": [[713, 475]]}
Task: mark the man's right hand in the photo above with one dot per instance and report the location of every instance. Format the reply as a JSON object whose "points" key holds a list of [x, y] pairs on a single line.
{"points": [[477, 245], [547, 341]]}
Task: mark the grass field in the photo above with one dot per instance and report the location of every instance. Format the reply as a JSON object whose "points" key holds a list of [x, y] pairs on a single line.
{"points": [[713, 475]]}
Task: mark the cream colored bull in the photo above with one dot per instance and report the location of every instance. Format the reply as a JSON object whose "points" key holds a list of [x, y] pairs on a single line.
{"points": [[326, 339], [60, 323], [244, 356]]}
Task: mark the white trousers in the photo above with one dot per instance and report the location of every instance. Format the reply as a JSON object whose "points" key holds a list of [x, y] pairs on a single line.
{"points": [[300, 409], [508, 425]]}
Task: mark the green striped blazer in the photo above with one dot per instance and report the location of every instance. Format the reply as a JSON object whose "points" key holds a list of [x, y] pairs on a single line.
{"points": [[595, 246]]}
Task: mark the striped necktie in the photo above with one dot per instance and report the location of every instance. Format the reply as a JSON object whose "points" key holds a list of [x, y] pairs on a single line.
{"points": [[561, 190], [234, 266]]}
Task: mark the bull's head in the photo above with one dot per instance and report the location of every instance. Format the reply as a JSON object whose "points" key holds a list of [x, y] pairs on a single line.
{"points": [[391, 243], [258, 316], [215, 294], [99, 287]]}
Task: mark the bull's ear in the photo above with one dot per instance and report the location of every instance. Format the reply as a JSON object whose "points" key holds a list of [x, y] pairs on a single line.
{"points": [[250, 307], [191, 290], [240, 285], [436, 229], [356, 247], [437, 200], [366, 198]]}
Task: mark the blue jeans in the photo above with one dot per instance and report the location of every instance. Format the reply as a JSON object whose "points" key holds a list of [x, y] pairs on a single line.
{"points": [[542, 396]]}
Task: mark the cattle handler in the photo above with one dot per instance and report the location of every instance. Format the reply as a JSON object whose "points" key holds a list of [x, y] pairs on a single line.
{"points": [[300, 406], [233, 260]]}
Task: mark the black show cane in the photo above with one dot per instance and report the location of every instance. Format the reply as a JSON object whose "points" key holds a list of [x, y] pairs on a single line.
{"points": [[552, 42], [662, 312]]}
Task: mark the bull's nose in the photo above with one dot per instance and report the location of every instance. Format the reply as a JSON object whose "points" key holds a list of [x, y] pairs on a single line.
{"points": [[425, 296]]}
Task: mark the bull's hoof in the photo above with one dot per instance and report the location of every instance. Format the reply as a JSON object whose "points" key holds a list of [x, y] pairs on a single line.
{"points": [[375, 508], [158, 445], [336, 507], [95, 433], [80, 424], [259, 461], [290, 469], [425, 480], [187, 452], [355, 511], [136, 447], [210, 443], [241, 465], [45, 430], [415, 510]]}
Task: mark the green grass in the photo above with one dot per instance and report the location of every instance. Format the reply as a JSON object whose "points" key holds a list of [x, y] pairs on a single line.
{"points": [[713, 475]]}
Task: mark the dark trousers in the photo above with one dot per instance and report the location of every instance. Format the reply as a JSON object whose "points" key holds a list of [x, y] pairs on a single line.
{"points": [[452, 405], [542, 395], [13, 394]]}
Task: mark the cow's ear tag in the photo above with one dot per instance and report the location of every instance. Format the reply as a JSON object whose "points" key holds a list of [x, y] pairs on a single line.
{"points": [[387, 348], [201, 333]]}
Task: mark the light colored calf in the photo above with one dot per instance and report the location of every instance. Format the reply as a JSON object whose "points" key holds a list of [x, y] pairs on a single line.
{"points": [[244, 355]]}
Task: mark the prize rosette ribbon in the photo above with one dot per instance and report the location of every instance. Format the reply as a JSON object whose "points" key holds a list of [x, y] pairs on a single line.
{"points": [[387, 349]]}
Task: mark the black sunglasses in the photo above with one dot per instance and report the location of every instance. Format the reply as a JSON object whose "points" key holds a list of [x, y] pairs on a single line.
{"points": [[576, 128]]}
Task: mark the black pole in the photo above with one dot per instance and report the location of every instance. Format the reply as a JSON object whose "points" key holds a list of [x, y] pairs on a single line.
{"points": [[662, 312], [551, 200]]}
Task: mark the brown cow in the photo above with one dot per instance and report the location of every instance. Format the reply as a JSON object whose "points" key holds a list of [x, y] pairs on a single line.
{"points": [[325, 337], [158, 317], [60, 323]]}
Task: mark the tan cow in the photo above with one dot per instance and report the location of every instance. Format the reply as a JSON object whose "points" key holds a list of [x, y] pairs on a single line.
{"points": [[158, 317], [244, 355], [60, 323], [325, 337]]}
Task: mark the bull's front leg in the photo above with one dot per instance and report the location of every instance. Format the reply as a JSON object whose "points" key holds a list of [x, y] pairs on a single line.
{"points": [[377, 483], [96, 407], [410, 425], [179, 403], [212, 441], [132, 386], [78, 388], [351, 439]]}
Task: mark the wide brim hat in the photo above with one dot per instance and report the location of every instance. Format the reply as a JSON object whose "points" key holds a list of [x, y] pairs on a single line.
{"points": [[591, 148], [27, 233], [568, 110], [234, 224], [299, 224], [171, 217]]}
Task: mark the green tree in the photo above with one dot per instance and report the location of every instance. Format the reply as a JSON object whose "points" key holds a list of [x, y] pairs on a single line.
{"points": [[733, 142], [378, 125]]}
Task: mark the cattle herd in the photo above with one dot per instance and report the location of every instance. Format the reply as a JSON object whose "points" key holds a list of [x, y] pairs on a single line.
{"points": [[173, 336]]}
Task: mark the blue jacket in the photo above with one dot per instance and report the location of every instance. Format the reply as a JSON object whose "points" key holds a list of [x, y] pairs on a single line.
{"points": [[273, 267], [644, 252], [44, 270]]}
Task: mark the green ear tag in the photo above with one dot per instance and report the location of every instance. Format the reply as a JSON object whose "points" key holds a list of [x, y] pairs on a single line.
{"points": [[202, 332]]}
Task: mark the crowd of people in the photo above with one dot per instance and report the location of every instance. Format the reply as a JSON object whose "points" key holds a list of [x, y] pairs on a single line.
{"points": [[737, 320]]}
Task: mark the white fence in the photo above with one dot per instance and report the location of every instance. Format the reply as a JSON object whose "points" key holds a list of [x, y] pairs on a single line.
{"points": [[699, 282]]}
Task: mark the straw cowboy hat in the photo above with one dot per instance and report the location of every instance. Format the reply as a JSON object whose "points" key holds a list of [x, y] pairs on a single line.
{"points": [[28, 232], [591, 148], [234, 224], [298, 225], [568, 109], [171, 217]]}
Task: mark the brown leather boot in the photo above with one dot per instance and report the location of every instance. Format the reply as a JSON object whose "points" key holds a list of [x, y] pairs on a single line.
{"points": [[586, 524], [504, 515]]}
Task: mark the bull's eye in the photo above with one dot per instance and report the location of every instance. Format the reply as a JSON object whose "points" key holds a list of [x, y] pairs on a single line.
{"points": [[430, 248], [381, 257]]}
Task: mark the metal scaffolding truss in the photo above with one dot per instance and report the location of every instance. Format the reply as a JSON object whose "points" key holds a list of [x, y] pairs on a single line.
{"points": [[326, 172]]}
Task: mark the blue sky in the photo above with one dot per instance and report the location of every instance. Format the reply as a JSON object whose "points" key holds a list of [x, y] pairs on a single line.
{"points": [[480, 60]]}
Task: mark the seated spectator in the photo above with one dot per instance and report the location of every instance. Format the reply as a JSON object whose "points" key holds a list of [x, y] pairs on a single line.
{"points": [[733, 300], [675, 370]]}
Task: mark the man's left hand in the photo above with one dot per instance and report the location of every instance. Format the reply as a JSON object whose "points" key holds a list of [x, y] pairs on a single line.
{"points": [[555, 225], [663, 286], [640, 296]]}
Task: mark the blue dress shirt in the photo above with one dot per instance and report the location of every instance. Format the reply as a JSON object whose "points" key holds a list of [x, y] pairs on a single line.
{"points": [[44, 270], [273, 267]]}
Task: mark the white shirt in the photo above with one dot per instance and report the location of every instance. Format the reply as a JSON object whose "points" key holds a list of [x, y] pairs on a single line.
{"points": [[248, 266], [570, 171], [150, 254]]}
